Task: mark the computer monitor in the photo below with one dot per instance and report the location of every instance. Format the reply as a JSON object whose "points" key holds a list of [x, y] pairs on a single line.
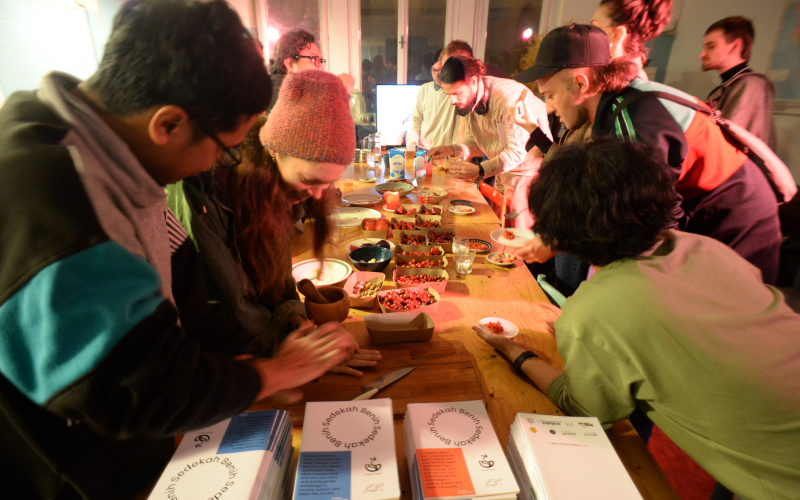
{"points": [[394, 105]]}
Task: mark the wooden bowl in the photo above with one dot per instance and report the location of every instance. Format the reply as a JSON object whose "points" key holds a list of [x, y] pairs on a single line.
{"points": [[337, 310]]}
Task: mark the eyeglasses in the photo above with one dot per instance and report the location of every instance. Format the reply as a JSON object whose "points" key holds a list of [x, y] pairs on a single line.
{"points": [[229, 157], [317, 60], [435, 71]]}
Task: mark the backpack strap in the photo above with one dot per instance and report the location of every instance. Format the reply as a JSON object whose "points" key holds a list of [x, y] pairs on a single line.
{"points": [[777, 173]]}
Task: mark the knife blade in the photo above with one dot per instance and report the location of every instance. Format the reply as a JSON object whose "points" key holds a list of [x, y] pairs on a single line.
{"points": [[371, 388]]}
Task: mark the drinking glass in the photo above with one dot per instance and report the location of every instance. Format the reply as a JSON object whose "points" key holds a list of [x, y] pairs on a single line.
{"points": [[347, 179], [460, 245], [464, 262], [420, 176]]}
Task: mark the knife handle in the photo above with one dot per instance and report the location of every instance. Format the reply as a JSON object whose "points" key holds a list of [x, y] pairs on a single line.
{"points": [[365, 395]]}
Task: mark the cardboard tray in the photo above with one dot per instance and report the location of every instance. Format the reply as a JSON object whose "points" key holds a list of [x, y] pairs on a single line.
{"points": [[418, 248], [368, 276], [418, 207], [424, 234], [421, 219], [401, 260], [408, 326], [430, 308], [439, 286], [448, 247], [397, 219]]}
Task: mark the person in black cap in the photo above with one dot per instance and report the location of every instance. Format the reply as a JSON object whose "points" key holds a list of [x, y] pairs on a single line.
{"points": [[723, 193]]}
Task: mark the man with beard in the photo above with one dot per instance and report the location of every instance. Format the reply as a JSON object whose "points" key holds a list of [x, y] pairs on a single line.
{"points": [[489, 130], [723, 194]]}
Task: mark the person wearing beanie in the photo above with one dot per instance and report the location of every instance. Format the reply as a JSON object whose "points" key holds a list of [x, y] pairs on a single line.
{"points": [[242, 219]]}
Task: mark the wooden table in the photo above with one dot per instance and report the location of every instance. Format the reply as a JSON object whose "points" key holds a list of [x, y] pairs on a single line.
{"points": [[489, 291]]}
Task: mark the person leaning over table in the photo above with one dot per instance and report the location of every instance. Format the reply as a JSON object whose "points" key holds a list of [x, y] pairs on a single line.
{"points": [[723, 194], [484, 102], [241, 218], [108, 348], [676, 324]]}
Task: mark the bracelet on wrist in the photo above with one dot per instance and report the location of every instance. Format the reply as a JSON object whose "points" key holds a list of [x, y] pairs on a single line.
{"points": [[521, 359]]}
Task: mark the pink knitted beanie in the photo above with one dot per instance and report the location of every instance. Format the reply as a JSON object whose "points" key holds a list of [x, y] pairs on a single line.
{"points": [[311, 119]]}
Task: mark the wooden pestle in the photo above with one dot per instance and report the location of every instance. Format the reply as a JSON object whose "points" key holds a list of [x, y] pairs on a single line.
{"points": [[307, 288]]}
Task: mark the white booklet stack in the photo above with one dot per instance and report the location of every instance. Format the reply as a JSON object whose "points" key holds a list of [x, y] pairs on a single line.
{"points": [[245, 457], [557, 457], [347, 452], [453, 452]]}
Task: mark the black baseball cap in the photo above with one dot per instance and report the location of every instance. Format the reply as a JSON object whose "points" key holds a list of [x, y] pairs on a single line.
{"points": [[573, 46]]}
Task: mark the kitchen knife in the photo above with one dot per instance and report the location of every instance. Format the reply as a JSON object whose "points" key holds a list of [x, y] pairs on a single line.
{"points": [[371, 388]]}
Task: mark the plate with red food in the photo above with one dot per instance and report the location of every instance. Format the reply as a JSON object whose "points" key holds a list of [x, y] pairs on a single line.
{"points": [[502, 259], [480, 246], [461, 209], [499, 326], [512, 236]]}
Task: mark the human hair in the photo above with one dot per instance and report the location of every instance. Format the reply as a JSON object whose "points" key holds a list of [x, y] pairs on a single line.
{"points": [[644, 20], [460, 68], [614, 76], [457, 47], [193, 54], [736, 27], [289, 45], [603, 201], [263, 226]]}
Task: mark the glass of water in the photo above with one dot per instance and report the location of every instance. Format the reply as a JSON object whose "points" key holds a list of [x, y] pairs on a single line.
{"points": [[460, 245], [464, 262]]}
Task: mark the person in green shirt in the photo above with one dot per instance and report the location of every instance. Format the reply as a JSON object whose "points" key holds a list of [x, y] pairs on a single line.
{"points": [[675, 324]]}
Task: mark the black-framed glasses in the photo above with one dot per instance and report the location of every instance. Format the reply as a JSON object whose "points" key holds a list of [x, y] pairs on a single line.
{"points": [[229, 157], [317, 60]]}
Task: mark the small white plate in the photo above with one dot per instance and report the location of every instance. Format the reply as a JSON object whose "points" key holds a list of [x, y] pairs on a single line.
{"points": [[358, 243], [492, 257], [461, 210], [363, 199], [368, 179], [521, 236], [510, 330], [331, 272], [352, 216]]}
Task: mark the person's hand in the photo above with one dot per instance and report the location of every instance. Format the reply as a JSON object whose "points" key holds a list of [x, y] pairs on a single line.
{"points": [[464, 170], [535, 251], [441, 152], [517, 114], [304, 355], [361, 359], [508, 347]]}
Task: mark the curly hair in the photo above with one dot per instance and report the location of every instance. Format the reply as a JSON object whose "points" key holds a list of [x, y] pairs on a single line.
{"points": [[736, 27], [195, 55], [603, 201], [263, 226], [644, 20], [289, 45]]}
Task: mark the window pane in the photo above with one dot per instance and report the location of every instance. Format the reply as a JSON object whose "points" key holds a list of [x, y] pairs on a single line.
{"points": [[285, 16], [426, 19], [379, 40], [506, 33]]}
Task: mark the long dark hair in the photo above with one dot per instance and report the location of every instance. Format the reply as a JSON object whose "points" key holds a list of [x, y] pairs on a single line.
{"points": [[264, 220], [644, 20]]}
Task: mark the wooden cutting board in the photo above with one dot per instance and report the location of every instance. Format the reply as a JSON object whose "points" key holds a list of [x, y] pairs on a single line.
{"points": [[444, 372]]}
